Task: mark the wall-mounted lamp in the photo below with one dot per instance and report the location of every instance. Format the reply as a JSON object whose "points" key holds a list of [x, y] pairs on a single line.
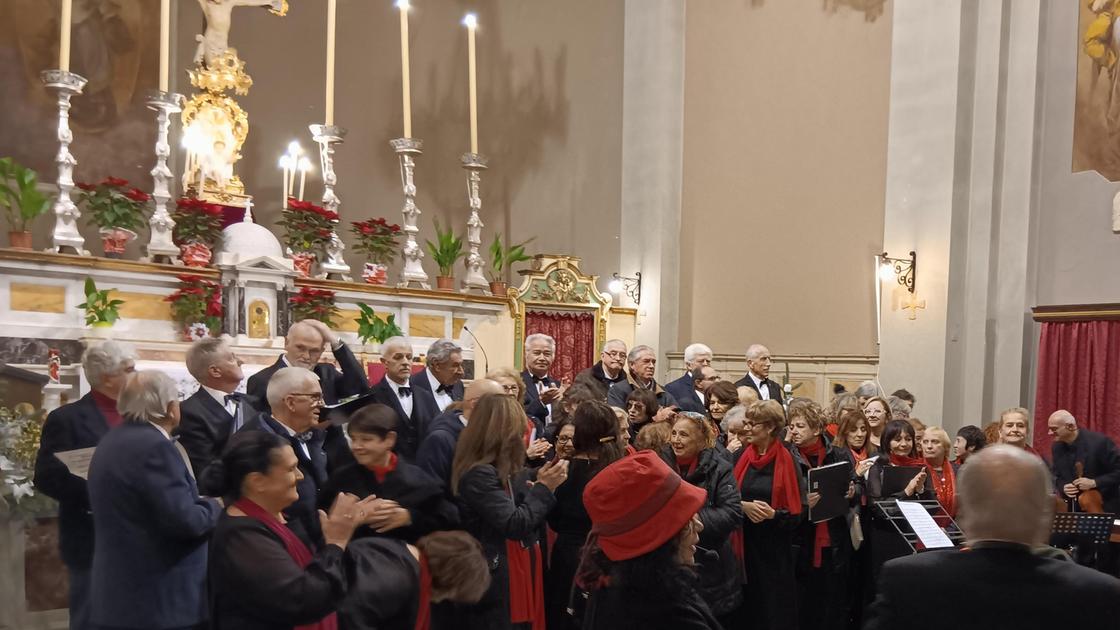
{"points": [[902, 269], [632, 286]]}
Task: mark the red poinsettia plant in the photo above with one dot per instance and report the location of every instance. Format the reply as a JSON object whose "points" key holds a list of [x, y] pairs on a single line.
{"points": [[307, 227], [197, 221], [377, 238], [313, 304], [113, 203], [198, 300]]}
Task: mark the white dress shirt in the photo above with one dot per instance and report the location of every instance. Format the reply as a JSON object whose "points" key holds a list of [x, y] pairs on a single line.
{"points": [[763, 388], [405, 401], [220, 396], [443, 399]]}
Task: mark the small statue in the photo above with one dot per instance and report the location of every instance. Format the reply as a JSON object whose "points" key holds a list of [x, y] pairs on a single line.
{"points": [[54, 364], [334, 250], [215, 40]]}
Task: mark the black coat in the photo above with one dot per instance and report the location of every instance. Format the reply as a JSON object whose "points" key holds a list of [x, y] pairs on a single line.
{"points": [[616, 397], [384, 580], [684, 392], [437, 450], [255, 585], [422, 392], [1101, 461], [205, 426], [415, 490], [720, 578], [612, 608], [412, 428], [1021, 590], [493, 517], [841, 548], [775, 389], [596, 373], [534, 408], [73, 426]]}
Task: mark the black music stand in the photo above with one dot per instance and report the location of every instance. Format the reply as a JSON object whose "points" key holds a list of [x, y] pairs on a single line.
{"points": [[891, 534], [1084, 535]]}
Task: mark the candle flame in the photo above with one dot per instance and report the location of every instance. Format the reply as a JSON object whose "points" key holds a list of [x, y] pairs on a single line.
{"points": [[294, 148], [402, 5], [471, 20], [304, 164]]}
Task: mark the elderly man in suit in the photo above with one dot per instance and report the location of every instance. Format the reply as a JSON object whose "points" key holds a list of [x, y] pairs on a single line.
{"points": [[437, 450], [684, 389], [1006, 506], [216, 411], [758, 374], [441, 383], [395, 391], [80, 425], [611, 367], [641, 373], [149, 559], [542, 392]]}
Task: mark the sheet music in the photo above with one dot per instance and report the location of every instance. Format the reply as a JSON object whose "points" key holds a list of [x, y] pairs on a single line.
{"points": [[77, 461], [932, 536]]}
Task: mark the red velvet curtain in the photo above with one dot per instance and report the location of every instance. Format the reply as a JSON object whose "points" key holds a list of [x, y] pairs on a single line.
{"points": [[1078, 370], [575, 339]]}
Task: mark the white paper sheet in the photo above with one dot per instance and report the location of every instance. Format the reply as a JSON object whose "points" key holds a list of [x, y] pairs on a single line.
{"points": [[77, 461], [932, 536]]}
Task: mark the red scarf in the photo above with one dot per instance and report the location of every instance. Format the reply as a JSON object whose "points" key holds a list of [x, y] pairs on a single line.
{"points": [[630, 450], [859, 455], [821, 539], [424, 609], [785, 493], [905, 460], [947, 489], [295, 548], [526, 584], [381, 471], [686, 466]]}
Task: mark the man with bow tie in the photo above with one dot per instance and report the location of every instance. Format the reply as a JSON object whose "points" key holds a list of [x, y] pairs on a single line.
{"points": [[216, 411], [442, 382], [395, 392], [542, 392]]}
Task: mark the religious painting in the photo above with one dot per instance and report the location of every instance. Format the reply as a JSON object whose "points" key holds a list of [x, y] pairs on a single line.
{"points": [[115, 46], [1096, 122]]}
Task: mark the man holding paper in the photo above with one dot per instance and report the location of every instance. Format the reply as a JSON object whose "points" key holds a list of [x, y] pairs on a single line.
{"points": [[73, 427]]}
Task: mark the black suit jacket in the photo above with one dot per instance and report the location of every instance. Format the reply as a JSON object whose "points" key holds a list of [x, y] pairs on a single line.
{"points": [[205, 426], [422, 392], [534, 408], [1101, 461], [73, 426], [411, 429], [1021, 590], [775, 389], [683, 390]]}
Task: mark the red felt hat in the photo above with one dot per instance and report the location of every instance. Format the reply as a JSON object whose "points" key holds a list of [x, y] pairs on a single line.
{"points": [[638, 504]]}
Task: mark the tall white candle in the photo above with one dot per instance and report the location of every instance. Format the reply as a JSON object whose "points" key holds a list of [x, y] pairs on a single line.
{"points": [[406, 83], [164, 42], [64, 36], [472, 22], [332, 11]]}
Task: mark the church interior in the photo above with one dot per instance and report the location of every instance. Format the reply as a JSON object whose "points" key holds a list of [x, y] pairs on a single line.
{"points": [[923, 196]]}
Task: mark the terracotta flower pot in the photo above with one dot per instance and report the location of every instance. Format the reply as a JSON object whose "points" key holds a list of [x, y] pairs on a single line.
{"points": [[20, 240], [302, 262], [498, 288], [195, 254], [445, 283], [376, 273], [114, 240]]}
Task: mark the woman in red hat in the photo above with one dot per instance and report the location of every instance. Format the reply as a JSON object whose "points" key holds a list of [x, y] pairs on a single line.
{"points": [[691, 451], [505, 510], [771, 497], [637, 563]]}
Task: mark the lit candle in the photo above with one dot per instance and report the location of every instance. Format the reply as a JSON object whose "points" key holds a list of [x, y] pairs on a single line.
{"points": [[332, 10], [284, 186], [304, 166], [294, 151], [164, 42], [64, 37], [472, 23], [406, 84]]}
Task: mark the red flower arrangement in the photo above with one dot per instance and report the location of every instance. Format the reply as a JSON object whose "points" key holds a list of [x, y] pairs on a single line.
{"points": [[198, 300], [197, 221], [313, 304], [377, 238], [113, 203], [307, 227]]}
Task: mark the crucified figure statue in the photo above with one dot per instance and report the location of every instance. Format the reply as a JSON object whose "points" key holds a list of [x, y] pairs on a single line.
{"points": [[215, 40]]}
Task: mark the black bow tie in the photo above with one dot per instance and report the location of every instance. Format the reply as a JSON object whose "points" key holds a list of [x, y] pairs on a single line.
{"points": [[541, 379], [404, 391], [306, 436], [444, 389], [235, 397]]}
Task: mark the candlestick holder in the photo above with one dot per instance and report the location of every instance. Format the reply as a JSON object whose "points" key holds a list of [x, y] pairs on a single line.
{"points": [[327, 136], [161, 244], [474, 165], [413, 272], [65, 235]]}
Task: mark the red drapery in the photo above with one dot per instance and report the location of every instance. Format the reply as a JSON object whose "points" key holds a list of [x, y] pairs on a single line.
{"points": [[1078, 370], [575, 339]]}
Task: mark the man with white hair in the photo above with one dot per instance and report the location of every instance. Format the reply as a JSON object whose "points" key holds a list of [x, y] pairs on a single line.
{"points": [[542, 391], [79, 425], [689, 397], [442, 382], [1006, 507], [641, 373], [611, 367], [1097, 454], [395, 392], [216, 411], [758, 374]]}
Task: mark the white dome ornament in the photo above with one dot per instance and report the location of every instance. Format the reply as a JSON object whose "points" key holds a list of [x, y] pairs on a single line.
{"points": [[246, 241]]}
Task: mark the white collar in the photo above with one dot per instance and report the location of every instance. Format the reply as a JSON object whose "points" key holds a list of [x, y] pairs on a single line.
{"points": [[284, 359], [394, 384], [463, 419], [161, 429], [433, 381], [287, 428], [757, 381], [217, 394]]}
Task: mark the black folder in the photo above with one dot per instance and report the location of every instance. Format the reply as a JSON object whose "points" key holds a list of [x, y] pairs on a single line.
{"points": [[896, 478], [339, 413], [831, 482]]}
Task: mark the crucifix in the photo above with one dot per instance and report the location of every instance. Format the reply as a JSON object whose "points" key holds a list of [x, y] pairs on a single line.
{"points": [[913, 304]]}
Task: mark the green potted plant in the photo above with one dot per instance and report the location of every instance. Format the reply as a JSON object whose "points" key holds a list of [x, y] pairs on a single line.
{"points": [[101, 312], [378, 239], [198, 226], [197, 306], [22, 201], [502, 258], [373, 328], [117, 209], [313, 304], [446, 251], [307, 229]]}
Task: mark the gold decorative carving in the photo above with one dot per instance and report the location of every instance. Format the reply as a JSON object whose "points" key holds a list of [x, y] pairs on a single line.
{"points": [[260, 320]]}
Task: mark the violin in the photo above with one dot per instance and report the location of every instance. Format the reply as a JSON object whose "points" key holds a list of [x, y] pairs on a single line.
{"points": [[1089, 501]]}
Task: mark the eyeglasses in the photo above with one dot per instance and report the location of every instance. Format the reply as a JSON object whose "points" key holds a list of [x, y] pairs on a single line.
{"points": [[315, 397], [510, 389], [616, 354], [563, 438]]}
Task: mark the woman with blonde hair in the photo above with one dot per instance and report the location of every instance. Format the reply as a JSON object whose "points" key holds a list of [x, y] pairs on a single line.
{"points": [[504, 508], [935, 445], [878, 413]]}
